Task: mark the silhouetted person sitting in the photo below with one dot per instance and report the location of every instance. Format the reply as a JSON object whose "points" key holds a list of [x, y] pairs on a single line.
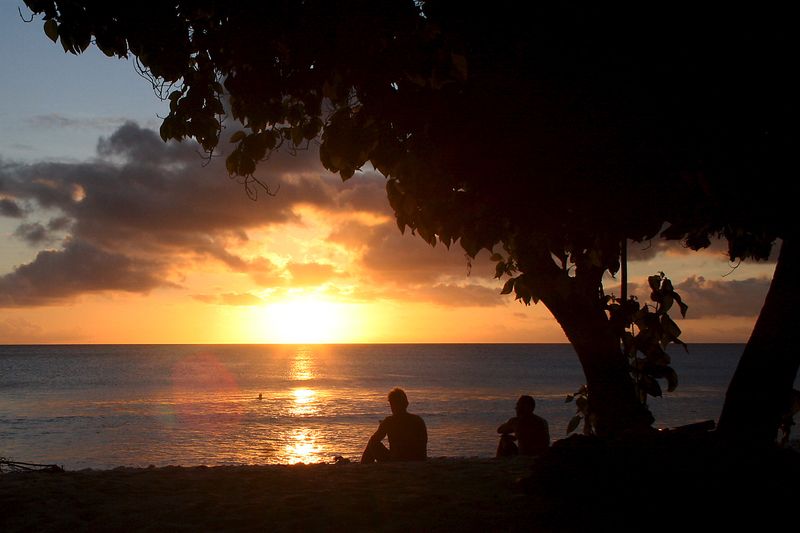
{"points": [[529, 430], [408, 436]]}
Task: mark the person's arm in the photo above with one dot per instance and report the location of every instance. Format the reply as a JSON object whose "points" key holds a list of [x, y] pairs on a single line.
{"points": [[376, 437], [379, 434], [508, 427]]}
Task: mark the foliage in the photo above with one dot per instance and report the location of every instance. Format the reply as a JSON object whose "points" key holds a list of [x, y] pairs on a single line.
{"points": [[582, 414], [553, 136], [644, 331], [429, 92]]}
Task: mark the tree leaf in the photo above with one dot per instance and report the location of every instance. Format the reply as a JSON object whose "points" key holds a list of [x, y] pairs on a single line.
{"points": [[165, 131], [297, 139], [651, 386], [672, 379], [666, 303], [499, 270], [573, 424], [509, 286], [670, 327], [51, 29], [582, 404]]}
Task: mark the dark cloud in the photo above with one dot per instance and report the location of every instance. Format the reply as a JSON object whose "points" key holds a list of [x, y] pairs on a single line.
{"points": [[55, 276], [463, 296], [9, 208], [366, 192], [717, 298], [706, 298], [59, 224], [143, 189], [147, 209], [33, 233], [142, 203], [643, 251], [391, 257]]}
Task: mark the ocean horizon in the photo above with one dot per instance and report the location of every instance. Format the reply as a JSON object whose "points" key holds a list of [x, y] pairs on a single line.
{"points": [[109, 405]]}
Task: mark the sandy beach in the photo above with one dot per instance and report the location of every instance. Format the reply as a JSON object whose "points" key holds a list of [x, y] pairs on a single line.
{"points": [[581, 485], [437, 495]]}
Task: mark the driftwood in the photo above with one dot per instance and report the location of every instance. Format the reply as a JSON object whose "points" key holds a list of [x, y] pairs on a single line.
{"points": [[6, 465]]}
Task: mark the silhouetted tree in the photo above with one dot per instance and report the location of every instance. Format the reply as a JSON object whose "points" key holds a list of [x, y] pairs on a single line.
{"points": [[556, 134]]}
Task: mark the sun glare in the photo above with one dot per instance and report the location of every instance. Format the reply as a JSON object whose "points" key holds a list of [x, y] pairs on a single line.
{"points": [[305, 321]]}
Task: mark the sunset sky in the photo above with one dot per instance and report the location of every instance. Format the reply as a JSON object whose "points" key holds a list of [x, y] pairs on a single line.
{"points": [[109, 235]]}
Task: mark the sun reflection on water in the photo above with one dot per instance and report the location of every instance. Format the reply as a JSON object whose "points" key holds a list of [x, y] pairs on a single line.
{"points": [[303, 364], [305, 402], [302, 447]]}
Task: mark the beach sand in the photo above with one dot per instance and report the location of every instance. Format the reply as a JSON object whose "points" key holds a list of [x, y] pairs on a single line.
{"points": [[439, 495], [662, 483]]}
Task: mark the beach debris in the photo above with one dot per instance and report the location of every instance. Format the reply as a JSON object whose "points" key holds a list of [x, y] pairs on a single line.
{"points": [[7, 465]]}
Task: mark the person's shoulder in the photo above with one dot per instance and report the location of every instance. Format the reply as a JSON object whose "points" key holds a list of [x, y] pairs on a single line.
{"points": [[416, 418]]}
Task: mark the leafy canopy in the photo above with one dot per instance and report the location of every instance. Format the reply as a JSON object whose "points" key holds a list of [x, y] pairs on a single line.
{"points": [[565, 129]]}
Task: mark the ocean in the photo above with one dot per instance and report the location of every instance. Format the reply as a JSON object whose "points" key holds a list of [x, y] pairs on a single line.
{"points": [[103, 406]]}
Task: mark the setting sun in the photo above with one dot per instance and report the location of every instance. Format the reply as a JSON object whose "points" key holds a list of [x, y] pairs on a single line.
{"points": [[306, 321]]}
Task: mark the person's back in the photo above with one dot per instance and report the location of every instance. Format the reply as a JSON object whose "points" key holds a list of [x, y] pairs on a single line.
{"points": [[408, 437], [407, 434], [531, 432]]}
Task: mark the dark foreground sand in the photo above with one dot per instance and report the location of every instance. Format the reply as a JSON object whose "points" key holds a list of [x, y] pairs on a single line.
{"points": [[661, 483], [440, 494]]}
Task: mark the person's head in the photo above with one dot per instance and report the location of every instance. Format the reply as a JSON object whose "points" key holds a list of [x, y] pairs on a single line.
{"points": [[398, 400], [525, 405]]}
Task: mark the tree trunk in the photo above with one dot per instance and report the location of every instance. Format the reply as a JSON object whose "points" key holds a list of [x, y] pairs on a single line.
{"points": [[612, 395], [761, 388]]}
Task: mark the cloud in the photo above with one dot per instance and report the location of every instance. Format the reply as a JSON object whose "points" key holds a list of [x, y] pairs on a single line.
{"points": [[11, 328], [710, 298], [723, 298], [33, 233], [143, 207], [57, 120], [308, 274], [470, 295], [644, 251], [9, 208], [55, 276], [235, 299], [157, 210], [391, 257]]}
